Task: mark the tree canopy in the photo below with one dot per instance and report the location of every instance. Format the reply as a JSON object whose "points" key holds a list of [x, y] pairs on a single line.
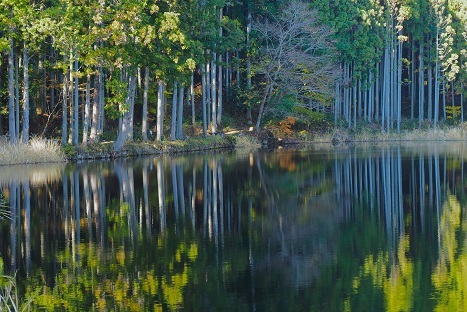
{"points": [[77, 67]]}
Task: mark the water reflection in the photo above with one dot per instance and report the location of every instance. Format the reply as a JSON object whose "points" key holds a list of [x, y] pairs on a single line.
{"points": [[351, 228]]}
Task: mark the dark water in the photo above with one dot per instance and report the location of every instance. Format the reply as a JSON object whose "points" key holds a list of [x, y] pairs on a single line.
{"points": [[369, 228]]}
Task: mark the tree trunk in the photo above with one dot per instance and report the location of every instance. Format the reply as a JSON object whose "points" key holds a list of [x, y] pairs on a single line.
{"points": [[261, 108], [173, 122], [101, 112], [127, 120], [192, 99], [87, 106], [76, 103], [214, 94], [219, 83], [25, 135], [160, 111], [17, 99], [144, 127], [71, 98], [179, 132], [11, 94], [64, 108], [95, 108], [248, 66], [421, 86], [399, 86], [203, 100]]}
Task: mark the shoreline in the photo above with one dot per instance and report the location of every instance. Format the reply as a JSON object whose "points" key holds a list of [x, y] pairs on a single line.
{"points": [[48, 151]]}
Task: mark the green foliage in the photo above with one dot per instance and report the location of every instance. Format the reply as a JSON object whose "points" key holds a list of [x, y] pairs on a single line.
{"points": [[312, 118], [453, 112], [115, 103]]}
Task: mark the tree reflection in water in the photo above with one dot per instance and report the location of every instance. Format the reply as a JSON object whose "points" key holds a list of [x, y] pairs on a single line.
{"points": [[349, 228]]}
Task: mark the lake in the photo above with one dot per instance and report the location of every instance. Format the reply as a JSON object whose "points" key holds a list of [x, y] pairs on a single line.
{"points": [[326, 229]]}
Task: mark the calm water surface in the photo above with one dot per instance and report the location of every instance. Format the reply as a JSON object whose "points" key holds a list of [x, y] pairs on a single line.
{"points": [[373, 228]]}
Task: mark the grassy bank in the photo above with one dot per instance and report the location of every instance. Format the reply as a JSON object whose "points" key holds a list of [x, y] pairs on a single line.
{"points": [[47, 151], [104, 150]]}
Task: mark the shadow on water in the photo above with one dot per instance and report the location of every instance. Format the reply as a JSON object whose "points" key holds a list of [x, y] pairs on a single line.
{"points": [[348, 228]]}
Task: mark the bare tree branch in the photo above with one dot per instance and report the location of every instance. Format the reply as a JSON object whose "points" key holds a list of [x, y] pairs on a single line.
{"points": [[296, 56]]}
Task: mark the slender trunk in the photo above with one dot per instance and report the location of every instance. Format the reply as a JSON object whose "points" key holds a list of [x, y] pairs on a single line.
{"points": [[76, 104], [214, 94], [192, 99], [64, 108], [25, 135], [399, 86], [144, 127], [412, 81], [462, 104], [421, 86], [208, 93], [160, 111], [17, 99], [248, 65], [430, 92], [173, 123], [95, 109], [203, 100], [179, 132], [124, 132], [261, 108], [71, 98], [11, 94], [101, 114], [87, 108], [220, 73], [437, 73]]}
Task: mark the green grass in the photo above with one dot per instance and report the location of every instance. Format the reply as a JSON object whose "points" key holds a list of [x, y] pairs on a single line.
{"points": [[35, 151]]}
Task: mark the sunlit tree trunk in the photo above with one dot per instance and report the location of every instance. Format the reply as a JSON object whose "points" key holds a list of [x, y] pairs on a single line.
{"points": [[220, 75], [87, 108], [421, 85], [214, 94], [95, 107], [144, 127], [125, 131], [11, 94], [203, 100], [248, 65], [160, 111], [173, 122], [179, 126], [192, 99], [64, 108], [25, 130], [76, 103]]}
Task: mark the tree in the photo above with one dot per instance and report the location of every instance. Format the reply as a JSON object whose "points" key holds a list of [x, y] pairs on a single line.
{"points": [[295, 57]]}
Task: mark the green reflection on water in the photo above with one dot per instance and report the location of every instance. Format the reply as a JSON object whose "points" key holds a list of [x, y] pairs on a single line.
{"points": [[373, 229]]}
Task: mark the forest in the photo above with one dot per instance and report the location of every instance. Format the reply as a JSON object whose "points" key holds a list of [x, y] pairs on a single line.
{"points": [[81, 71]]}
